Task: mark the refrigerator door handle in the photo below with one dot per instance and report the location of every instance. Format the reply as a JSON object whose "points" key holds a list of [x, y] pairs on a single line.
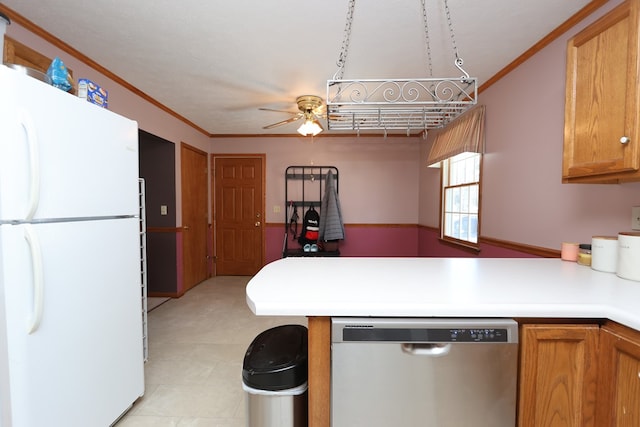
{"points": [[34, 163], [38, 280]]}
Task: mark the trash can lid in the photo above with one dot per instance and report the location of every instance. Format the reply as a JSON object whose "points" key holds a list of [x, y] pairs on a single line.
{"points": [[277, 359]]}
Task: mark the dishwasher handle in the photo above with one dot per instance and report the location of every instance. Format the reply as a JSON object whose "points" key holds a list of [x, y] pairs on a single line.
{"points": [[426, 349]]}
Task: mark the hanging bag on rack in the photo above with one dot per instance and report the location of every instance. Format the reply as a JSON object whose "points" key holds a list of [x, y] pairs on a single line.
{"points": [[293, 221], [310, 224]]}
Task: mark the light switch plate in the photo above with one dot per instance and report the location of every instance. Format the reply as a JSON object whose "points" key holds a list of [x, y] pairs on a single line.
{"points": [[635, 218]]}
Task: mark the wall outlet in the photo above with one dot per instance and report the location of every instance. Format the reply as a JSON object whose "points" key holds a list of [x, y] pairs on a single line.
{"points": [[635, 218], [163, 209], [276, 209]]}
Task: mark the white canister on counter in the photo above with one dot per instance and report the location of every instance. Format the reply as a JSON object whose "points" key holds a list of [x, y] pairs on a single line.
{"points": [[629, 255], [604, 253]]}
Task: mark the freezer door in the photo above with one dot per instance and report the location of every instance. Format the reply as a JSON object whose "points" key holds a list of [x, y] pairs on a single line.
{"points": [[62, 157], [73, 321]]}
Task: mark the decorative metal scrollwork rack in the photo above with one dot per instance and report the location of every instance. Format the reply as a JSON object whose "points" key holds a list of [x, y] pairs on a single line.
{"points": [[397, 104]]}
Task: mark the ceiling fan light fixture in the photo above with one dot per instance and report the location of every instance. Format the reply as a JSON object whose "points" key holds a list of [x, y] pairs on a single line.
{"points": [[310, 127], [311, 109]]}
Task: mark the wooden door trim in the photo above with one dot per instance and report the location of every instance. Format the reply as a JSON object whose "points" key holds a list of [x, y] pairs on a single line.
{"points": [[186, 146], [212, 174], [319, 359]]}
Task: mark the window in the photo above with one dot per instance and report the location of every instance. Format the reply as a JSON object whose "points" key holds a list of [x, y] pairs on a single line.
{"points": [[458, 149], [460, 216]]}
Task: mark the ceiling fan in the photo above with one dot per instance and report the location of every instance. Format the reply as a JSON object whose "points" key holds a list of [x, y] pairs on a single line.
{"points": [[311, 110]]}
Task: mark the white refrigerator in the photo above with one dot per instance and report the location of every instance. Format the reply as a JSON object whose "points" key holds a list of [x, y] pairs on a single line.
{"points": [[71, 351]]}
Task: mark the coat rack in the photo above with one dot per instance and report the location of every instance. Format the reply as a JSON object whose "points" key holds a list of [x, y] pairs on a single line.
{"points": [[304, 187]]}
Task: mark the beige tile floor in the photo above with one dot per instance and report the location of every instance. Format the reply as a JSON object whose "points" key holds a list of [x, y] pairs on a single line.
{"points": [[196, 345]]}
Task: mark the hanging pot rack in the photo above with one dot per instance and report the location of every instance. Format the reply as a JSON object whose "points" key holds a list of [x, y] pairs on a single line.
{"points": [[398, 104]]}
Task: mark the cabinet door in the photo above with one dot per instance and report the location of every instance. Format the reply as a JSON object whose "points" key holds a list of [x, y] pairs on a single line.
{"points": [[619, 387], [601, 98], [558, 375]]}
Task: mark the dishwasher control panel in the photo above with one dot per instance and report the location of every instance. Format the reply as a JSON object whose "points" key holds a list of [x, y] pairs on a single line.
{"points": [[357, 334], [424, 331], [478, 335]]}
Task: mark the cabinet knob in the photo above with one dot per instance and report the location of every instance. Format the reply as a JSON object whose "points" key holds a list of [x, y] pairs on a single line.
{"points": [[625, 140], [257, 224]]}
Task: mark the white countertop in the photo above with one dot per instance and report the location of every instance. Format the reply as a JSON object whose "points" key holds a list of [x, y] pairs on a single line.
{"points": [[442, 287]]}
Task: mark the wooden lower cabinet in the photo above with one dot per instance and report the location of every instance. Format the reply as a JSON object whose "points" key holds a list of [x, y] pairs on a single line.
{"points": [[619, 386], [558, 375]]}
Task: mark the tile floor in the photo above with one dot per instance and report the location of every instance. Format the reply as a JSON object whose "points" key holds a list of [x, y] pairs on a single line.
{"points": [[196, 345]]}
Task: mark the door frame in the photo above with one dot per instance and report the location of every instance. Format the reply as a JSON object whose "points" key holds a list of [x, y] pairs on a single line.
{"points": [[183, 286], [214, 224]]}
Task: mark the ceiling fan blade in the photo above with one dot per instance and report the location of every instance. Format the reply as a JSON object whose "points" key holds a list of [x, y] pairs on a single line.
{"points": [[284, 122], [279, 111]]}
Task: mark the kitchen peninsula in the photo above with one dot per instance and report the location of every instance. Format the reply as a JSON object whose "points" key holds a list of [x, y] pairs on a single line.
{"points": [[534, 288]]}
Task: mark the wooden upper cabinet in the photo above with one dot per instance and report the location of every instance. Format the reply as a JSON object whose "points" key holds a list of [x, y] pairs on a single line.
{"points": [[20, 54], [619, 387], [558, 375], [601, 135]]}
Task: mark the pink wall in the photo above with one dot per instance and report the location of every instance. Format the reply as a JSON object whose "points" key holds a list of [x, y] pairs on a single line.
{"points": [[430, 246], [391, 241], [360, 240], [523, 199], [378, 177]]}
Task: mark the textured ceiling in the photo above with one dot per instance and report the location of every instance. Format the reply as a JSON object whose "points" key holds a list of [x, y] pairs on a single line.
{"points": [[216, 62]]}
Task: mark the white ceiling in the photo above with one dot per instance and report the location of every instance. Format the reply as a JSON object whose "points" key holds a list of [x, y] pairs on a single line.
{"points": [[216, 62]]}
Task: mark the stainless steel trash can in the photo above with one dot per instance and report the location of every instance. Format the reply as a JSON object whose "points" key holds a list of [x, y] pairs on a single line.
{"points": [[274, 376]]}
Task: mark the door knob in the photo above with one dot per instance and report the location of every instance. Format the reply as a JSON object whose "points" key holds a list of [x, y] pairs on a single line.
{"points": [[625, 140], [257, 224]]}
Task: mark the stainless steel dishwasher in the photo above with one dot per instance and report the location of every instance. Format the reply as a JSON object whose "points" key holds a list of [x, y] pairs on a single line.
{"points": [[423, 372]]}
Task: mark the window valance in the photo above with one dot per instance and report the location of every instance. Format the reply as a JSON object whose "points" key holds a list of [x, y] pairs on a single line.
{"points": [[464, 134]]}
